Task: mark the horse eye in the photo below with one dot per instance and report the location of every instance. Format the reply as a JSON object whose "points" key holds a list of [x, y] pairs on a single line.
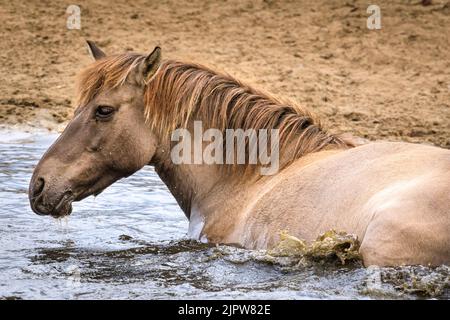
{"points": [[104, 112]]}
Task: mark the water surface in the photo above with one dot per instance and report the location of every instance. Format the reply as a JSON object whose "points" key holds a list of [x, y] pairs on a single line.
{"points": [[131, 242]]}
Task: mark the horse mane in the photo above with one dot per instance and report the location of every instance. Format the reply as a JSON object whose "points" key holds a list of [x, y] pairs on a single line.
{"points": [[181, 92]]}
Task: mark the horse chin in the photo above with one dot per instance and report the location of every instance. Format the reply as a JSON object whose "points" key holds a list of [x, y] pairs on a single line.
{"points": [[96, 188], [63, 209], [63, 212]]}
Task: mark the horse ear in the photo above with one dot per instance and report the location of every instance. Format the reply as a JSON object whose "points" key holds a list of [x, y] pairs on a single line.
{"points": [[95, 51], [150, 65]]}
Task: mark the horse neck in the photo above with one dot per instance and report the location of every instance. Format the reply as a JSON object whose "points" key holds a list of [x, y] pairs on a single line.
{"points": [[190, 184]]}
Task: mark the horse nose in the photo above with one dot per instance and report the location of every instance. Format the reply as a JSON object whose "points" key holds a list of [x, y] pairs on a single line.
{"points": [[36, 189]]}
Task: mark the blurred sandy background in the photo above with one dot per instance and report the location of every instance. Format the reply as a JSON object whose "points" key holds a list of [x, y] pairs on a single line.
{"points": [[392, 83]]}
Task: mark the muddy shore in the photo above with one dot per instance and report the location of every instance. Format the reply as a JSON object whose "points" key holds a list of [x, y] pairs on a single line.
{"points": [[392, 83]]}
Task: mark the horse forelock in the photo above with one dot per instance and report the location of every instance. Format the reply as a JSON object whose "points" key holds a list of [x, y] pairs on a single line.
{"points": [[107, 73]]}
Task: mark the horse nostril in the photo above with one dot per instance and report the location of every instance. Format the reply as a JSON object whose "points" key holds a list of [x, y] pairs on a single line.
{"points": [[38, 187]]}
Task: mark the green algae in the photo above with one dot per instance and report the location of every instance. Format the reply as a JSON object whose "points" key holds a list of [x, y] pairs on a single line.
{"points": [[329, 246], [288, 246]]}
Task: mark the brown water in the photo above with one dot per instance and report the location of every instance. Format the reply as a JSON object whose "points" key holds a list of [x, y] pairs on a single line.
{"points": [[131, 243]]}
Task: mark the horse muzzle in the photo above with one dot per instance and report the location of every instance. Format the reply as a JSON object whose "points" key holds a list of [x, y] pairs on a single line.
{"points": [[49, 201]]}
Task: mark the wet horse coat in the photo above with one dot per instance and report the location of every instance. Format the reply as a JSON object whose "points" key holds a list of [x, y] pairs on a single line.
{"points": [[394, 196]]}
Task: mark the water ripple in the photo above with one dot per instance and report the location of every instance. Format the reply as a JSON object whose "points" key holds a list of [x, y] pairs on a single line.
{"points": [[130, 242]]}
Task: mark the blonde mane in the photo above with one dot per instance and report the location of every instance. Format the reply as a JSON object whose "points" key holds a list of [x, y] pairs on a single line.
{"points": [[181, 92]]}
